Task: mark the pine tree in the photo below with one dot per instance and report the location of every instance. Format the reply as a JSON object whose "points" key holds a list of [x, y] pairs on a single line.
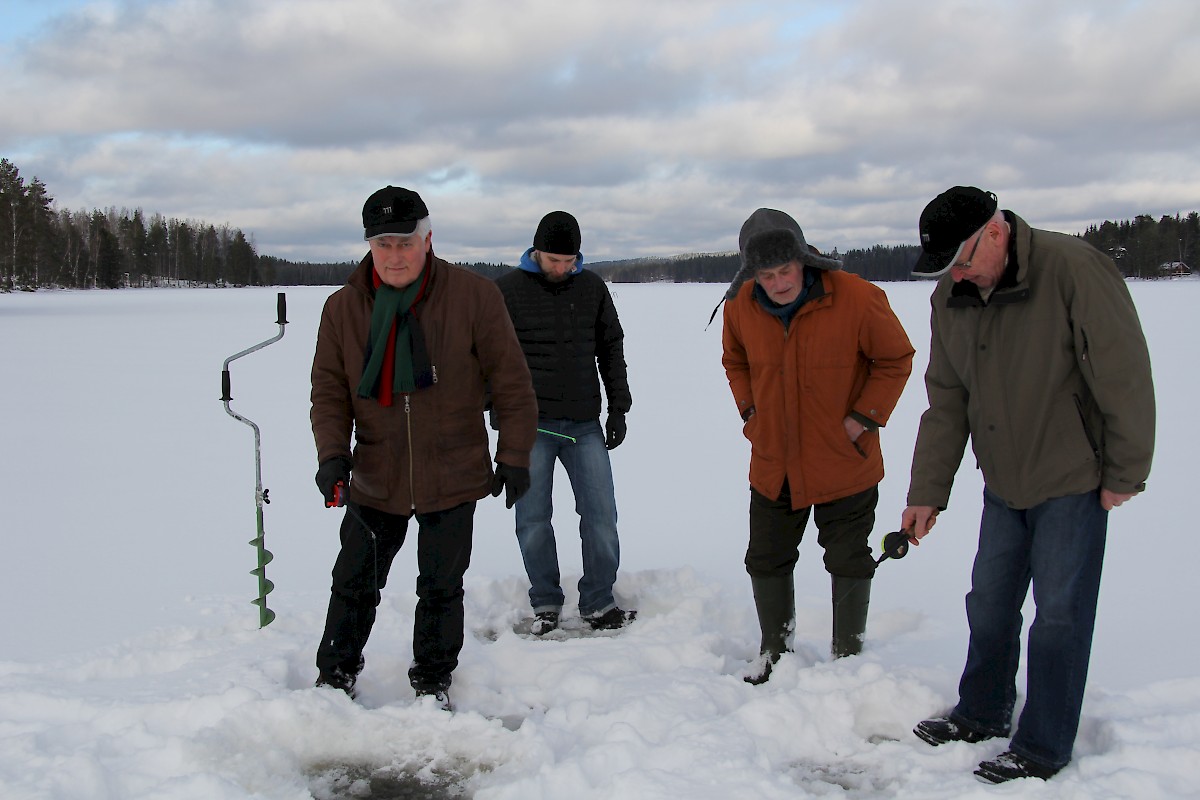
{"points": [[12, 201], [241, 261]]}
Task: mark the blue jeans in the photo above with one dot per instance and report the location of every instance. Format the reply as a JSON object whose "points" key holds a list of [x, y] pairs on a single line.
{"points": [[590, 472], [1059, 547]]}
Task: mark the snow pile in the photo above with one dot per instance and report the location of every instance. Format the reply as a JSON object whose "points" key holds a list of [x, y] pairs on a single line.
{"points": [[131, 665]]}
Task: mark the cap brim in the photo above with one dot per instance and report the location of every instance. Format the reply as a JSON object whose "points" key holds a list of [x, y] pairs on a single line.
{"points": [[934, 265], [391, 229]]}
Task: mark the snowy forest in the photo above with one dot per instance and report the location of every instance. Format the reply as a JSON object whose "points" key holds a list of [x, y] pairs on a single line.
{"points": [[42, 246]]}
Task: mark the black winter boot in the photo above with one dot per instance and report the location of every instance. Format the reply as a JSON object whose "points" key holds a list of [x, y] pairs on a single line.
{"points": [[851, 596], [342, 678], [775, 601]]}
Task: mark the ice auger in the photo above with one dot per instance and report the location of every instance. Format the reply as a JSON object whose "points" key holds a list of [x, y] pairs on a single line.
{"points": [[265, 615]]}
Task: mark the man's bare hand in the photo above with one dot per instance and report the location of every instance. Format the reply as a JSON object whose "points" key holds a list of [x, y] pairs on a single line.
{"points": [[918, 521], [1110, 500]]}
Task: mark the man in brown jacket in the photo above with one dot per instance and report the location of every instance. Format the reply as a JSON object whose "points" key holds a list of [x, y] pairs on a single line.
{"points": [[816, 361], [404, 352]]}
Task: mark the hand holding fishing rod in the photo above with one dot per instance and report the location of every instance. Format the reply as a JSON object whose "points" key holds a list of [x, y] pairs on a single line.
{"points": [[332, 476]]}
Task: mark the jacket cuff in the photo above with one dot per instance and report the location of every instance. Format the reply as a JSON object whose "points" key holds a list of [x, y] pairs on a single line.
{"points": [[865, 421], [513, 458]]}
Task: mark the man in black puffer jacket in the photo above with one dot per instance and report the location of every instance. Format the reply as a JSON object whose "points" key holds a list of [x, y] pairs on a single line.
{"points": [[572, 339]]}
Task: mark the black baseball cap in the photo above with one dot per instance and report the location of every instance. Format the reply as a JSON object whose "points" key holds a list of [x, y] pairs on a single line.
{"points": [[392, 211], [947, 222]]}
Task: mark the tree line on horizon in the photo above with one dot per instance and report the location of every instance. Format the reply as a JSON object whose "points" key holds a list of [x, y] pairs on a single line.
{"points": [[44, 247], [1141, 248]]}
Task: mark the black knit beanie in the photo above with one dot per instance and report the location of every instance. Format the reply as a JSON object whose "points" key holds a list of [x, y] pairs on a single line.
{"points": [[557, 233]]}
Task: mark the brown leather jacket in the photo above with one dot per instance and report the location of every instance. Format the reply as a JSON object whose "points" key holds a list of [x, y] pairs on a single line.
{"points": [[845, 354], [429, 451]]}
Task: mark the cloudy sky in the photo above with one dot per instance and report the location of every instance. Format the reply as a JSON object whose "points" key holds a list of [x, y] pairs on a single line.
{"points": [[661, 124]]}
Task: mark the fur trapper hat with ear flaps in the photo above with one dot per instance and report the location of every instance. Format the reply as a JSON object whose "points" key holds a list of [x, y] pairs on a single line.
{"points": [[770, 238]]}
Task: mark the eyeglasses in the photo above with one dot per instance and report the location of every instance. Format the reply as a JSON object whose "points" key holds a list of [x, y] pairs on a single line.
{"points": [[966, 265]]}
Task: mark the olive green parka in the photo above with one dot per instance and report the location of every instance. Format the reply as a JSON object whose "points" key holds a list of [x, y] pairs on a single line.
{"points": [[1049, 377]]}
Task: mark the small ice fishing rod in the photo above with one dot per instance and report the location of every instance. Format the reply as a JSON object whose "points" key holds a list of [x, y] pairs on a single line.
{"points": [[894, 545], [341, 497], [265, 615]]}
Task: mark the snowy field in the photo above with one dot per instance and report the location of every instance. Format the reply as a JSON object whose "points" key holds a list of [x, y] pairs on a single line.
{"points": [[132, 666]]}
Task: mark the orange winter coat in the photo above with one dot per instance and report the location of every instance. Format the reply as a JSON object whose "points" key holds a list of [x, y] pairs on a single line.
{"points": [[844, 354]]}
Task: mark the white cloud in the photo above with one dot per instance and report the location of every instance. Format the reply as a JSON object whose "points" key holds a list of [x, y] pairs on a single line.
{"points": [[661, 125]]}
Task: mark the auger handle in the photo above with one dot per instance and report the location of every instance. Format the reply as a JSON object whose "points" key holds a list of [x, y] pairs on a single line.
{"points": [[280, 320]]}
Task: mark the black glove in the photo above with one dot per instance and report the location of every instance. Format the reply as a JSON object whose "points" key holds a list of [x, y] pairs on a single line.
{"points": [[514, 481], [329, 474], [614, 430]]}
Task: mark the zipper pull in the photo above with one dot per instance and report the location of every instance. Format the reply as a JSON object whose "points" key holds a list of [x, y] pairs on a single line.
{"points": [[433, 367]]}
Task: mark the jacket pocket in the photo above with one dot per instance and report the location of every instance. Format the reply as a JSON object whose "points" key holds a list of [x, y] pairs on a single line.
{"points": [[1087, 432], [749, 427], [1064, 443], [858, 447], [372, 471]]}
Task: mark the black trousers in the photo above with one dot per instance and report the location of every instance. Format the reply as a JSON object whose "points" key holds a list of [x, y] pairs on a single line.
{"points": [[360, 573], [843, 527]]}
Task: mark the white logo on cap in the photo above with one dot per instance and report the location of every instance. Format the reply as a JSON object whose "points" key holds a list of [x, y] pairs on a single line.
{"points": [[925, 238], [387, 210]]}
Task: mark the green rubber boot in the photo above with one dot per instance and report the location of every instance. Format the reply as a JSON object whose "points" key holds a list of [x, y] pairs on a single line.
{"points": [[851, 597], [775, 601]]}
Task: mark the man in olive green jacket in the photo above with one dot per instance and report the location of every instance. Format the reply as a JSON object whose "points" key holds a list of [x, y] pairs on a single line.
{"points": [[1037, 355]]}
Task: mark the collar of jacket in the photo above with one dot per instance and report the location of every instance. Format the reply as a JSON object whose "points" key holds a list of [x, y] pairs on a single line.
{"points": [[814, 289], [529, 265], [1014, 283]]}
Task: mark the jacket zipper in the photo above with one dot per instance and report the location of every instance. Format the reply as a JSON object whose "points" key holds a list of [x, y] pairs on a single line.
{"points": [[412, 486]]}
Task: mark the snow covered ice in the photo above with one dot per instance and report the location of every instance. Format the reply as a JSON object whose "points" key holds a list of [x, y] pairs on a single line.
{"points": [[131, 664]]}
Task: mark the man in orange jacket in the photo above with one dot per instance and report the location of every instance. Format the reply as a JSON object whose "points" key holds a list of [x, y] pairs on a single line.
{"points": [[816, 360]]}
